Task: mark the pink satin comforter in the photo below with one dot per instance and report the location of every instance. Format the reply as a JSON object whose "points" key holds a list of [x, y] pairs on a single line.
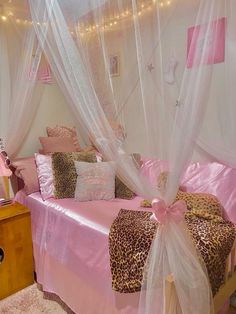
{"points": [[70, 238], [213, 178]]}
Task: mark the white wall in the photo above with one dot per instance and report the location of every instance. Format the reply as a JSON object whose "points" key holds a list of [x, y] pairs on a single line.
{"points": [[51, 111], [174, 42]]}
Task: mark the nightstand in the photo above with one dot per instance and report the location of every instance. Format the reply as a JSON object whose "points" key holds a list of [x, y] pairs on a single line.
{"points": [[16, 258]]}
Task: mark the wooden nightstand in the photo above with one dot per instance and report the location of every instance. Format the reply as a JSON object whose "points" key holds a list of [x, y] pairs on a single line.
{"points": [[16, 258]]}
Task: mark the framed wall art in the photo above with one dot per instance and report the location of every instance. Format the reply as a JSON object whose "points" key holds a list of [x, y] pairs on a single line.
{"points": [[114, 65], [206, 46]]}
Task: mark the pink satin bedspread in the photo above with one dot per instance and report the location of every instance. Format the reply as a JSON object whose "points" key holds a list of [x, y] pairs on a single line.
{"points": [[70, 239], [213, 178]]}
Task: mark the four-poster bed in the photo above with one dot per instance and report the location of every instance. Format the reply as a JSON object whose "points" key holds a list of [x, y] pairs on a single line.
{"points": [[161, 120]]}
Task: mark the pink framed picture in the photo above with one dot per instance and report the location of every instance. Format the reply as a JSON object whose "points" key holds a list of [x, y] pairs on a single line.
{"points": [[213, 44], [114, 65]]}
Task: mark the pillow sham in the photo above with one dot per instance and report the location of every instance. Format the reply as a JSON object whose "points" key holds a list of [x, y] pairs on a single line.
{"points": [[95, 181], [45, 176], [64, 172], [57, 144], [25, 169], [64, 131], [122, 191]]}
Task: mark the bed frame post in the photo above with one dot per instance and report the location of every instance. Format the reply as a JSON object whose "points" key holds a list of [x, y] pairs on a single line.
{"points": [[232, 261], [229, 285], [225, 291], [5, 184], [171, 303]]}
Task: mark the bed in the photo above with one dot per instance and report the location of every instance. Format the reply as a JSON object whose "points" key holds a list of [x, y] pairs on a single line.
{"points": [[70, 242]]}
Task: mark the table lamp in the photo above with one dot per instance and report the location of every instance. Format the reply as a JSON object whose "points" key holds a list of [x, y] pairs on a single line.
{"points": [[5, 173]]}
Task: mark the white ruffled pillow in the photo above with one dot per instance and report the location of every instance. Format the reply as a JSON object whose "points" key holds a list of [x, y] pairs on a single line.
{"points": [[45, 175], [95, 181]]}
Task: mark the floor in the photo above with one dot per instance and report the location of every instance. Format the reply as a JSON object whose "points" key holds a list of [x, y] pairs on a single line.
{"points": [[32, 300]]}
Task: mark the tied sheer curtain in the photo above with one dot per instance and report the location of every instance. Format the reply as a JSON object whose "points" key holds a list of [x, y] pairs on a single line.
{"points": [[79, 39], [73, 78], [17, 82]]}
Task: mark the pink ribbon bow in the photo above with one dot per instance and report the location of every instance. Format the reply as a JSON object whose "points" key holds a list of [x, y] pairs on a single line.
{"points": [[163, 213]]}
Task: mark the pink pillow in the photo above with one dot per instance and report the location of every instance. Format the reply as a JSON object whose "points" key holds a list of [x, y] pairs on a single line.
{"points": [[57, 144], [27, 171], [64, 131], [45, 175]]}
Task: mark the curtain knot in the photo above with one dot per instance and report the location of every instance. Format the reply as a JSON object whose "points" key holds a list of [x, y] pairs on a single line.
{"points": [[163, 213]]}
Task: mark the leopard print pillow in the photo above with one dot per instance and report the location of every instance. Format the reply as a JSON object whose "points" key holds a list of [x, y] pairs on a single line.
{"points": [[64, 172], [122, 191]]}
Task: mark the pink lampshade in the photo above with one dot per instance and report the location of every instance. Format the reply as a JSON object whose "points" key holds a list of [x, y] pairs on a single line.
{"points": [[4, 170]]}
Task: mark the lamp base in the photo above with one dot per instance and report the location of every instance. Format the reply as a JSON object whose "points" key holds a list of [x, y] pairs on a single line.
{"points": [[6, 190]]}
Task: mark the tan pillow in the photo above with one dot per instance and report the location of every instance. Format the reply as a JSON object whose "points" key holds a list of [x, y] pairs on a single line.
{"points": [[57, 144], [64, 131], [64, 172]]}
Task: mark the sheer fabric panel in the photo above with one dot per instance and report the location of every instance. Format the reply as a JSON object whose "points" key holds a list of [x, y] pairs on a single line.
{"points": [[18, 77], [167, 133]]}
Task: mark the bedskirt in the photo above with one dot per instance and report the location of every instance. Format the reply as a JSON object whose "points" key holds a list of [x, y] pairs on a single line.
{"points": [[71, 253], [56, 278]]}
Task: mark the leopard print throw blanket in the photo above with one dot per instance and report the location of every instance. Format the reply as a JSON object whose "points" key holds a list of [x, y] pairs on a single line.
{"points": [[132, 232]]}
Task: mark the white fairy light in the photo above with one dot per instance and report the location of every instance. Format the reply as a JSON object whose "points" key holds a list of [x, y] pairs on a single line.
{"points": [[108, 22]]}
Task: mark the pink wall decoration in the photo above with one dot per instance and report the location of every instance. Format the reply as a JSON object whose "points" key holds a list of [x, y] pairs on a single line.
{"points": [[212, 41], [44, 74]]}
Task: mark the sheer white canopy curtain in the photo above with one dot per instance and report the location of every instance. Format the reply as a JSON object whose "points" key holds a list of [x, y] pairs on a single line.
{"points": [[17, 82], [220, 114], [84, 42]]}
